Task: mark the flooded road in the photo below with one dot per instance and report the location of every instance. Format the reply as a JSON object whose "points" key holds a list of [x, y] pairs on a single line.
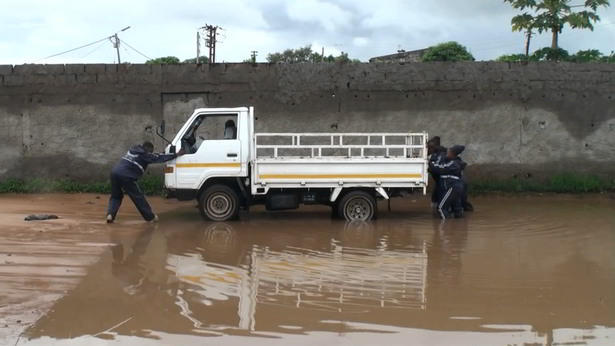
{"points": [[519, 270]]}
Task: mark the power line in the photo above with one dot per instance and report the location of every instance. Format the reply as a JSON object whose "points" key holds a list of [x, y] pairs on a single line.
{"points": [[74, 49], [95, 49], [116, 45], [129, 46]]}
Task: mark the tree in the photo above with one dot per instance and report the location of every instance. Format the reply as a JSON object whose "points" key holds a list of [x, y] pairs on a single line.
{"points": [[524, 22], [610, 58], [202, 60], [512, 58], [305, 54], [550, 54], [590, 55], [448, 51], [163, 60], [552, 15]]}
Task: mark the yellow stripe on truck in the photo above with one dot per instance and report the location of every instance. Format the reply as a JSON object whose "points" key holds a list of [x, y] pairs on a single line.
{"points": [[200, 165], [338, 176]]}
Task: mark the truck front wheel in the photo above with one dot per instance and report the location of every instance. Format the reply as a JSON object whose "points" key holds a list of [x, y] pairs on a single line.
{"points": [[219, 203], [357, 206]]}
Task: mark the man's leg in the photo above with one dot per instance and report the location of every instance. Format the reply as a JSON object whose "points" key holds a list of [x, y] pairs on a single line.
{"points": [[456, 205], [138, 198], [116, 198], [445, 203], [467, 206], [434, 196]]}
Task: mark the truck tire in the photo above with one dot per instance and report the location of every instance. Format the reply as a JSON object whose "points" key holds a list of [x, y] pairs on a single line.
{"points": [[219, 203], [357, 206]]}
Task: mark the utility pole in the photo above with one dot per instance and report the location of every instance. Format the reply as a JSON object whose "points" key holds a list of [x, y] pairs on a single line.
{"points": [[254, 53], [528, 37], [116, 43], [198, 47], [210, 32]]}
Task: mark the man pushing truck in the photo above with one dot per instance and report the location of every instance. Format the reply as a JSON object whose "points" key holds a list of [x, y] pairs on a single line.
{"points": [[125, 174]]}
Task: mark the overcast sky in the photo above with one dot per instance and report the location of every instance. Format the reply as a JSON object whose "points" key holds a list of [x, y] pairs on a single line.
{"points": [[34, 29]]}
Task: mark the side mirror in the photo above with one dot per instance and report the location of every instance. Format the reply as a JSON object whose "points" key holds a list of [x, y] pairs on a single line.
{"points": [[162, 127], [172, 149]]}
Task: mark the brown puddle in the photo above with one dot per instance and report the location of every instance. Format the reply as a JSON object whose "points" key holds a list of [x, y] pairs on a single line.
{"points": [[519, 270]]}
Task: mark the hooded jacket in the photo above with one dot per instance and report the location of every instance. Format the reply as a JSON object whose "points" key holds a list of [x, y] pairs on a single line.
{"points": [[447, 168], [134, 163], [437, 157]]}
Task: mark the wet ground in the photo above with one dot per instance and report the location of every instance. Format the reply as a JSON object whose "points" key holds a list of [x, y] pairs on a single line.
{"points": [[519, 270]]}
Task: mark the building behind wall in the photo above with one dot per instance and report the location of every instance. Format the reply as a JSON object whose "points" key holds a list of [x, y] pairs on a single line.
{"points": [[401, 56]]}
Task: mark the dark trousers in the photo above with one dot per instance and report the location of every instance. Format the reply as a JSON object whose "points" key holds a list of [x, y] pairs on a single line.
{"points": [[130, 186], [436, 193], [464, 196], [451, 198]]}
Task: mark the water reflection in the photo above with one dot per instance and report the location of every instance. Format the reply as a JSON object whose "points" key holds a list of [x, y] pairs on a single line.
{"points": [[279, 277], [338, 278]]}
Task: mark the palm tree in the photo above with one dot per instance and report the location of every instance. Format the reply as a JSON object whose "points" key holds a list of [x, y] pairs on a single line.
{"points": [[552, 15]]}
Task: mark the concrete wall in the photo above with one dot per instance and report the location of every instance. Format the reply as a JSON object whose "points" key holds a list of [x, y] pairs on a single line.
{"points": [[522, 121]]}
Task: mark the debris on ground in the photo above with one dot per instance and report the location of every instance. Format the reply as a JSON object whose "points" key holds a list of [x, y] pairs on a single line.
{"points": [[38, 217]]}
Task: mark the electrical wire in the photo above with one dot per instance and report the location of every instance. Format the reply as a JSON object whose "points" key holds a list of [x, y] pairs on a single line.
{"points": [[129, 46], [74, 49], [95, 49]]}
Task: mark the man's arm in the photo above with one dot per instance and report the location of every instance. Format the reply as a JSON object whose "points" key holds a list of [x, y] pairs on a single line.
{"points": [[444, 168], [160, 158]]}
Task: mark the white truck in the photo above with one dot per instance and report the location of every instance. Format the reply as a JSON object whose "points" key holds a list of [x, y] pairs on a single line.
{"points": [[227, 166]]}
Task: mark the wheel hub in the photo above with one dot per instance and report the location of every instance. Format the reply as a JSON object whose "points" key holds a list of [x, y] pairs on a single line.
{"points": [[358, 209], [220, 204]]}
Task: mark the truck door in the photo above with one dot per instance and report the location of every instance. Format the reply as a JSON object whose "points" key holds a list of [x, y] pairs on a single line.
{"points": [[212, 149]]}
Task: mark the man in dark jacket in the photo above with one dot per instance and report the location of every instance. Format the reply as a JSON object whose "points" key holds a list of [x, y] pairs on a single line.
{"points": [[436, 154], [449, 169], [125, 174]]}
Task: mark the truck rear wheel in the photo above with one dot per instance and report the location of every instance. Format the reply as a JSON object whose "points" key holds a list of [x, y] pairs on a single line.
{"points": [[219, 203], [357, 206]]}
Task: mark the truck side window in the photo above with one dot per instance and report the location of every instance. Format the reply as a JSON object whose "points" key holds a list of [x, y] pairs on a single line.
{"points": [[207, 128]]}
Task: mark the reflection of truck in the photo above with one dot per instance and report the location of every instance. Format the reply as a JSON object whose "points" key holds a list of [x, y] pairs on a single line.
{"points": [[336, 279], [227, 166]]}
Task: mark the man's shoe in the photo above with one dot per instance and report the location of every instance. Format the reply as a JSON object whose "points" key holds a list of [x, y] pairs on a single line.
{"points": [[468, 207], [155, 219], [458, 215], [110, 218]]}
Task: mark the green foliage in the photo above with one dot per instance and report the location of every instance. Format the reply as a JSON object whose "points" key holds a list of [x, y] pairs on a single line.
{"points": [[291, 56], [202, 60], [552, 15], [448, 51], [303, 55], [150, 184], [609, 59], [512, 58], [522, 22], [590, 55], [163, 60], [549, 54], [561, 183]]}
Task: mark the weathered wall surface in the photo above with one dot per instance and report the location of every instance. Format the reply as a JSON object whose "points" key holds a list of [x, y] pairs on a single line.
{"points": [[517, 121]]}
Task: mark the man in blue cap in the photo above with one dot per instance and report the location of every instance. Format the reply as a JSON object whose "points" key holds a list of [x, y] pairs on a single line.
{"points": [[449, 170], [125, 174]]}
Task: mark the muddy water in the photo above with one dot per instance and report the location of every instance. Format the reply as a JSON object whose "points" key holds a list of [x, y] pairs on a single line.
{"points": [[538, 270]]}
